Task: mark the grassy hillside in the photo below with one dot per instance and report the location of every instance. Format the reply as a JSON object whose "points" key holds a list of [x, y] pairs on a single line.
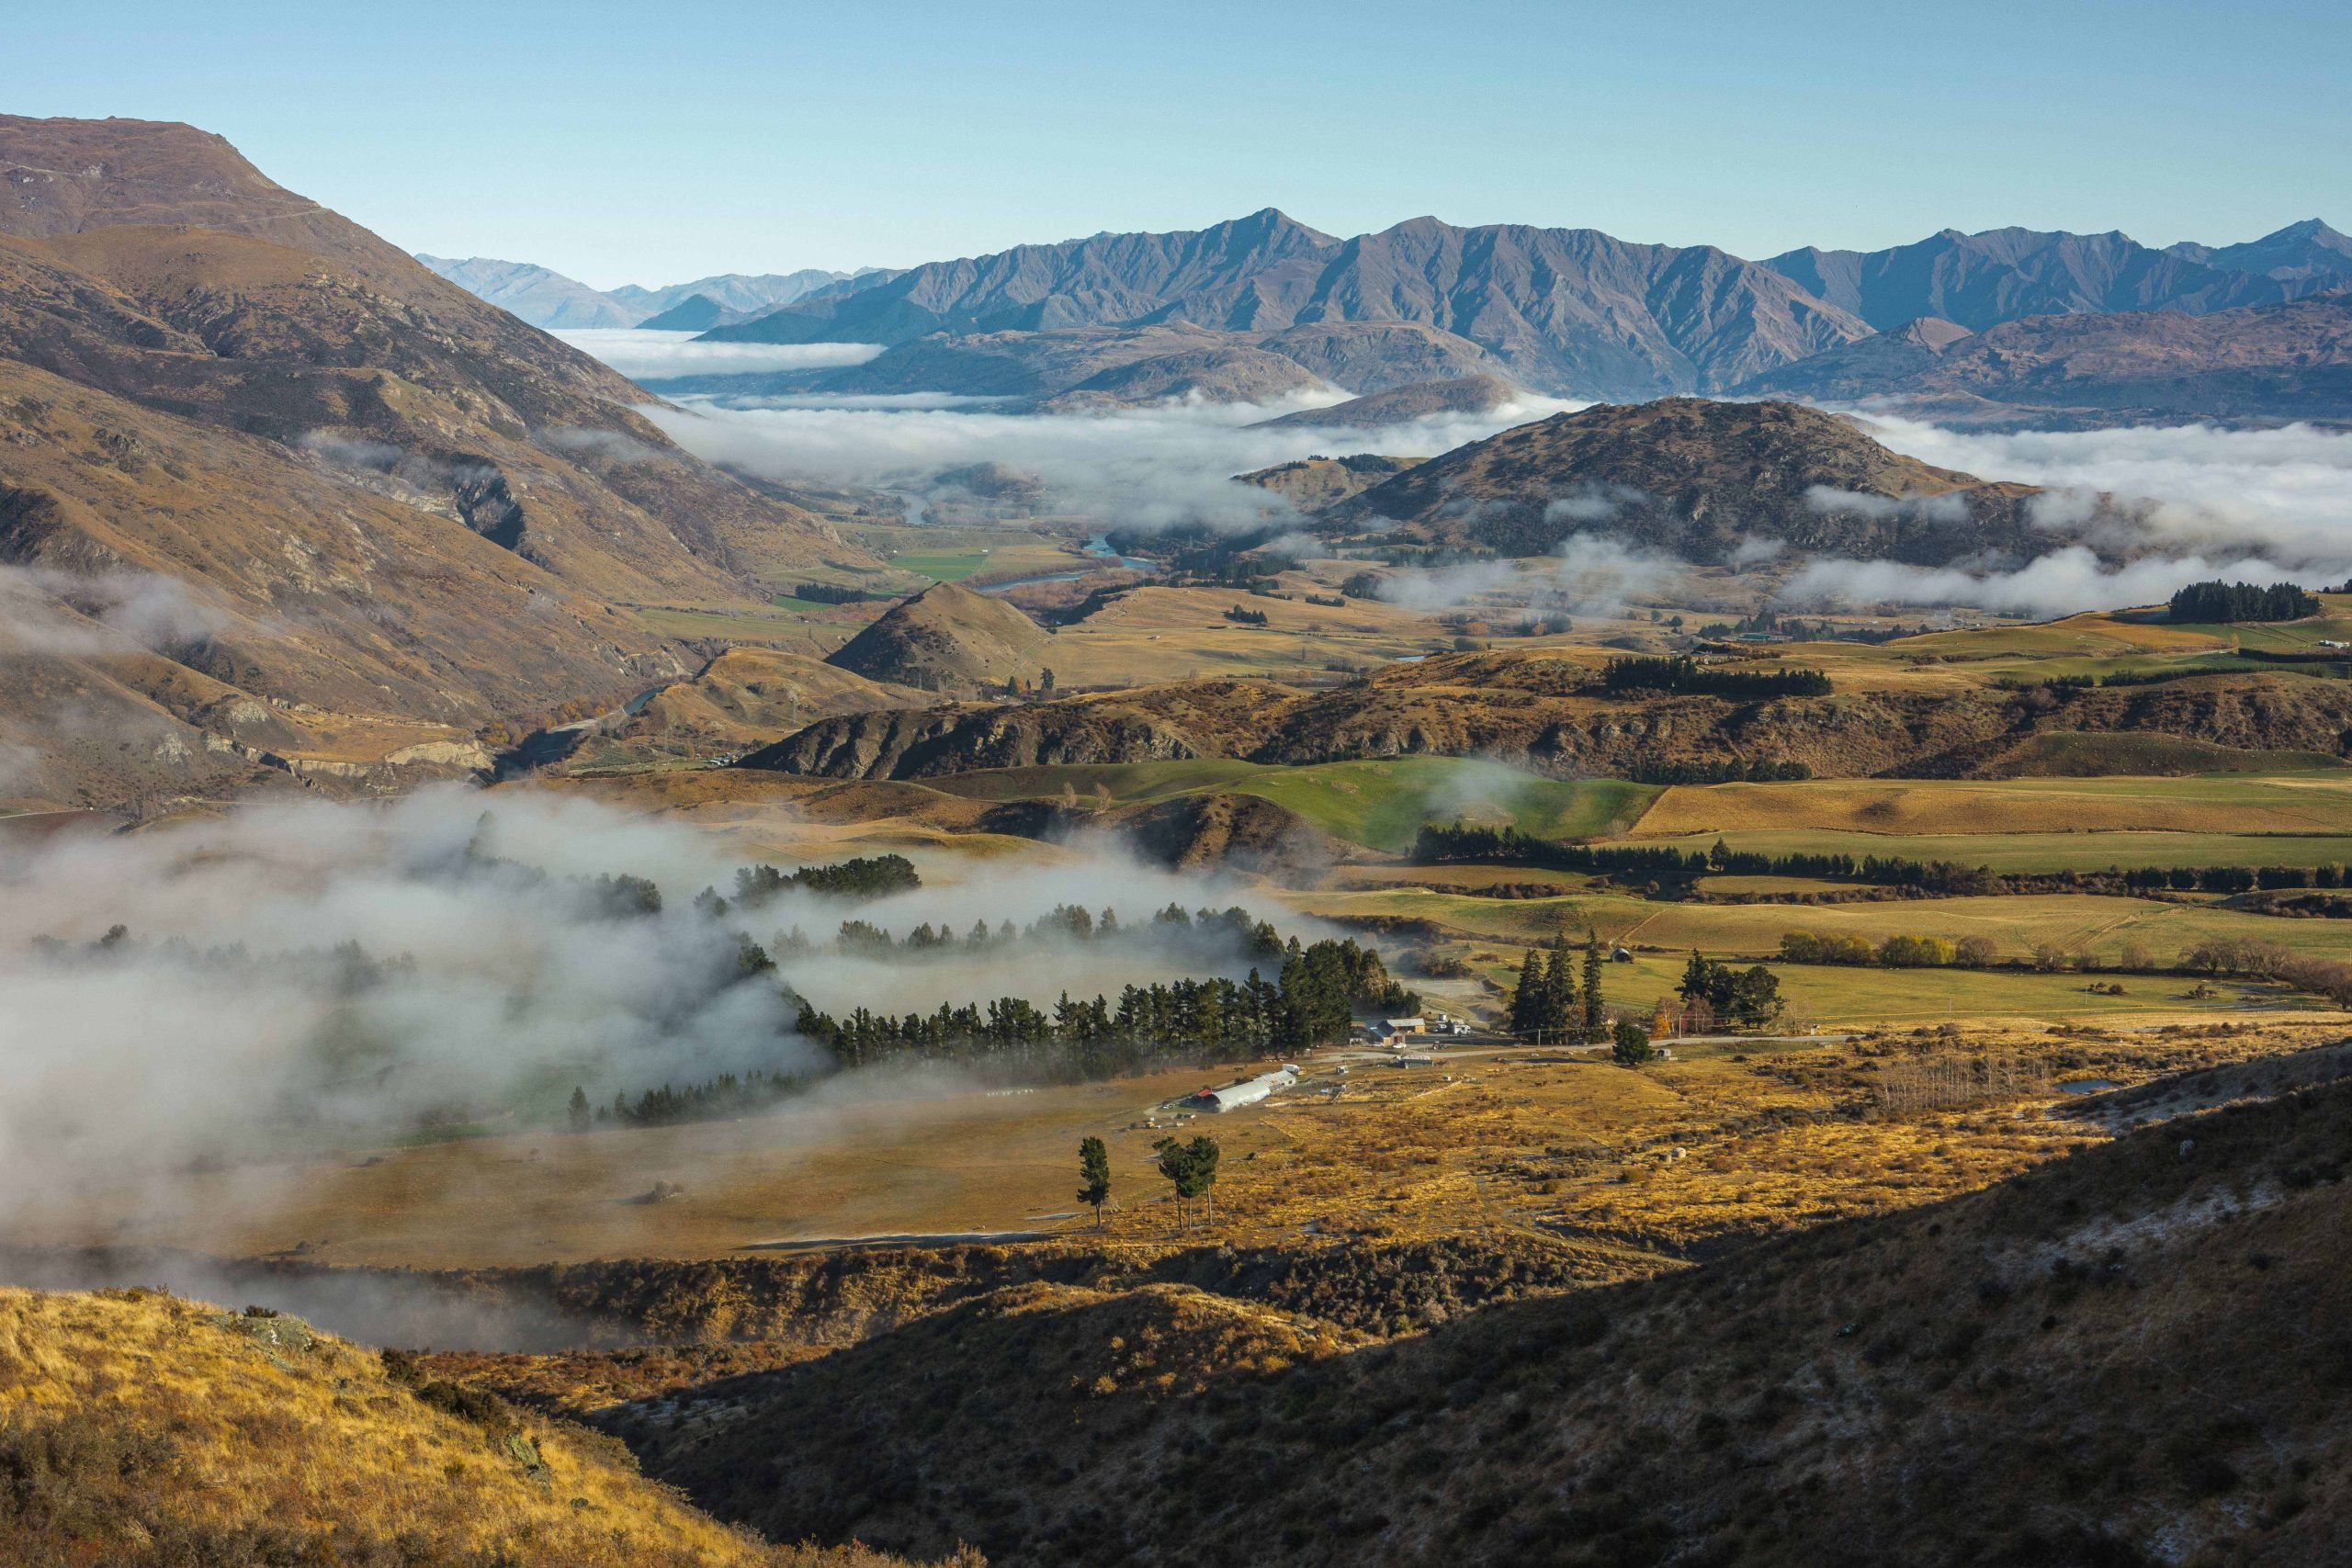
{"points": [[1381, 804], [138, 1428]]}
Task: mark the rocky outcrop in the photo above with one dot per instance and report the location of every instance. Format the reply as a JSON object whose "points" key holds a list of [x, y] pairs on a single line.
{"points": [[1537, 713]]}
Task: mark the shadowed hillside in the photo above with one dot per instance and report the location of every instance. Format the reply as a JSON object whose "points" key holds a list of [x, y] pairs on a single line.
{"points": [[2135, 1355]]}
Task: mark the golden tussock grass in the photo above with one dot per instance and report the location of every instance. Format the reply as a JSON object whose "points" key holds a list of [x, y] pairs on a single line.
{"points": [[140, 1428]]}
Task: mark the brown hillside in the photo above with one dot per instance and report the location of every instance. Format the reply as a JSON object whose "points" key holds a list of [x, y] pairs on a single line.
{"points": [[946, 637], [401, 504], [1242, 833], [746, 695], [1698, 478], [1312, 483]]}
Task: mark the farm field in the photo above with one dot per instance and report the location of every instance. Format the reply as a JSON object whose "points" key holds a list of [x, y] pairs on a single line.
{"points": [[2096, 643], [2314, 802], [1380, 803], [2086, 850], [1156, 634], [2016, 924]]}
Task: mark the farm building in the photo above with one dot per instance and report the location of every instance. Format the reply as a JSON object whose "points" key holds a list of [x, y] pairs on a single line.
{"points": [[1249, 1092]]}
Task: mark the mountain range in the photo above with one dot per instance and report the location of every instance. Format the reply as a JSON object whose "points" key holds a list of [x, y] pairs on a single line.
{"points": [[1568, 312], [546, 298]]}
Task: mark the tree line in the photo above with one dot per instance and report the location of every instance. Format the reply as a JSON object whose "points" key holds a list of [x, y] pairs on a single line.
{"points": [[1232, 931], [2226, 602], [864, 877], [1549, 1001], [1461, 842], [1310, 1002], [1683, 676], [1897, 951]]}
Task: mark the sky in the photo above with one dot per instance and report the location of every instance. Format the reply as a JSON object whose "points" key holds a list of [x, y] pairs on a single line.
{"points": [[657, 143]]}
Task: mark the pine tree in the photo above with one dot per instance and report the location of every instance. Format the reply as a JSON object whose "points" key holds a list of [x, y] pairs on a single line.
{"points": [[1594, 1025], [1696, 978], [582, 1118], [1527, 1002], [1559, 991], [1094, 1175]]}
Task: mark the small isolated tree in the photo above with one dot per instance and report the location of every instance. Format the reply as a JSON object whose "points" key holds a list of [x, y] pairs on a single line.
{"points": [[1631, 1047], [1094, 1175], [581, 1117], [1190, 1170], [1044, 679]]}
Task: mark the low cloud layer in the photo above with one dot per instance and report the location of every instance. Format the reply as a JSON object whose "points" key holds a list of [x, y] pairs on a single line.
{"points": [[1143, 467], [291, 980], [2275, 494], [1589, 574], [43, 611], [644, 356], [2065, 581]]}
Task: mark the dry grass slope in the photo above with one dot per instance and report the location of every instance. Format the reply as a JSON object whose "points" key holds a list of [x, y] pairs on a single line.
{"points": [[140, 1428]]}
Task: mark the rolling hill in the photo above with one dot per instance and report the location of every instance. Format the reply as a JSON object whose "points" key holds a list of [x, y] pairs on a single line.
{"points": [[946, 637], [1312, 484], [1698, 479], [1541, 711]]}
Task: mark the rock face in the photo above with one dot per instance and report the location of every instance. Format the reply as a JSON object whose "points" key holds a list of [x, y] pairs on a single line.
{"points": [[1698, 479]]}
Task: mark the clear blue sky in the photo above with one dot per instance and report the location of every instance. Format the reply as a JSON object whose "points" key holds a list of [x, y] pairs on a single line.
{"points": [[652, 143]]}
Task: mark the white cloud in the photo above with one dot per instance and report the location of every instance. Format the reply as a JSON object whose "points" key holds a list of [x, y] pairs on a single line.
{"points": [[44, 611], [1589, 574], [2277, 493], [1827, 499], [1141, 467], [651, 355], [2065, 581]]}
